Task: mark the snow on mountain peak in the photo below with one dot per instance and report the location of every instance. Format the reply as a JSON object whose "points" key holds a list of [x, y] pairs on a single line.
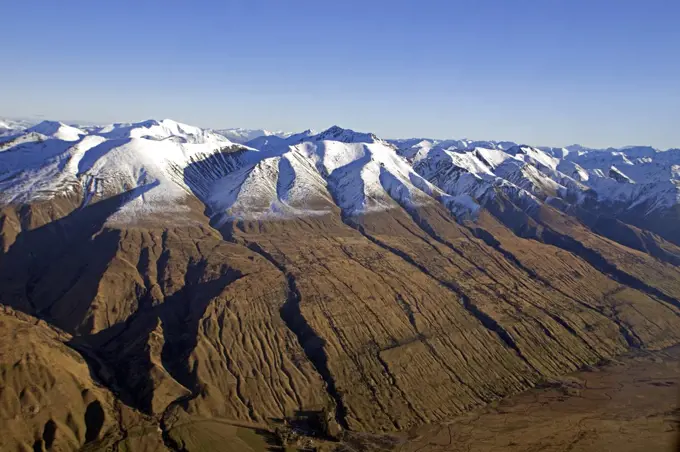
{"points": [[336, 133], [5, 127], [58, 130], [109, 161], [241, 135], [309, 173], [160, 130]]}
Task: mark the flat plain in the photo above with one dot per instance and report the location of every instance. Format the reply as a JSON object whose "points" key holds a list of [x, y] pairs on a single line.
{"points": [[630, 404]]}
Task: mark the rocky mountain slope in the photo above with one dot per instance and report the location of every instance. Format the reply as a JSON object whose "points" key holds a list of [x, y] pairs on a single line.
{"points": [[381, 285]]}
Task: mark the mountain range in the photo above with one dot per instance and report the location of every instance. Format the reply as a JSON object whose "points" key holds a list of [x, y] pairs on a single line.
{"points": [[156, 277]]}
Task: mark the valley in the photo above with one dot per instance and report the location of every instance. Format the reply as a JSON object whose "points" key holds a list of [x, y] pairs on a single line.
{"points": [[627, 404]]}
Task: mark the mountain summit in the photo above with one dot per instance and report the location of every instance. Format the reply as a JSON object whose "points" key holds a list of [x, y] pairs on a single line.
{"points": [[57, 130], [336, 133]]}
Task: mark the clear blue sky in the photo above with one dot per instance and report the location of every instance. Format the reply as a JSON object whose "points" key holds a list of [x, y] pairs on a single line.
{"points": [[596, 72]]}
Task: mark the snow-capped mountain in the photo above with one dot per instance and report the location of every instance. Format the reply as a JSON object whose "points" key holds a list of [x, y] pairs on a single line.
{"points": [[310, 173], [268, 142], [638, 185], [52, 159], [414, 148], [57, 130], [241, 136], [14, 126]]}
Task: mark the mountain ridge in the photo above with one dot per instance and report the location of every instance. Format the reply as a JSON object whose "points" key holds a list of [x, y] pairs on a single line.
{"points": [[242, 135], [333, 273]]}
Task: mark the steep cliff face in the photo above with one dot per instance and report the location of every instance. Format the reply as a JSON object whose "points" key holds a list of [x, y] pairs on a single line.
{"points": [[322, 274]]}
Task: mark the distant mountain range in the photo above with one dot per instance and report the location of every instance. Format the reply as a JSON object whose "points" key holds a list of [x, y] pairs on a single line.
{"points": [[309, 173]]}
